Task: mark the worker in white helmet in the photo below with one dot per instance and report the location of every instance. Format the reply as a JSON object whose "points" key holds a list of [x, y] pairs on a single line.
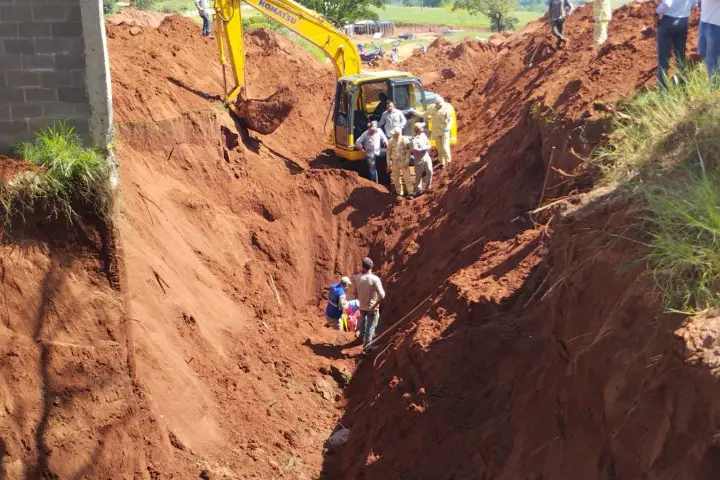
{"points": [[337, 302], [398, 162], [441, 122]]}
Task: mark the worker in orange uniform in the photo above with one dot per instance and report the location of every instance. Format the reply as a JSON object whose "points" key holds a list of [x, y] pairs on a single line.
{"points": [[441, 120], [398, 162], [602, 13]]}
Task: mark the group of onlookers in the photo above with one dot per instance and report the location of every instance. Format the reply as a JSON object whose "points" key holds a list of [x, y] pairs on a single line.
{"points": [[404, 152], [672, 18], [369, 293]]}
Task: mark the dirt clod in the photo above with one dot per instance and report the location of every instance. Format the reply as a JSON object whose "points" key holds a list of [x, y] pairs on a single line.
{"points": [[266, 115]]}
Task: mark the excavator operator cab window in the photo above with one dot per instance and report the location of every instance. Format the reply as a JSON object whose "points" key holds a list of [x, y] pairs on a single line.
{"points": [[408, 93], [342, 116], [375, 96], [401, 96]]}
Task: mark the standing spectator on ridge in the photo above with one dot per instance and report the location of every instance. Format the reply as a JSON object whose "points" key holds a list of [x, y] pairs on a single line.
{"points": [[392, 118], [204, 11], [369, 293], [672, 30], [709, 35], [602, 13], [371, 142], [557, 11]]}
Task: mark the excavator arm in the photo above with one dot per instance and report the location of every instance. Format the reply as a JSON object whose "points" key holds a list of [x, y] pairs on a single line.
{"points": [[308, 24]]}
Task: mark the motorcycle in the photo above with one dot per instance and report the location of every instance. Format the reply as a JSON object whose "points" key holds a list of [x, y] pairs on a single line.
{"points": [[372, 56]]}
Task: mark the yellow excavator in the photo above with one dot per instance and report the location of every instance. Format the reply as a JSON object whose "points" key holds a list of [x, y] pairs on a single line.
{"points": [[359, 96]]}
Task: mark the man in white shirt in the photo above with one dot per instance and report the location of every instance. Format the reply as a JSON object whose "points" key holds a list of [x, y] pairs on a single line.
{"points": [[371, 143], [709, 36], [369, 293], [203, 9], [672, 30], [392, 118]]}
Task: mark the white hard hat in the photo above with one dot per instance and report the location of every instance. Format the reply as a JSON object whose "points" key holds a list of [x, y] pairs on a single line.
{"points": [[346, 280], [373, 124], [396, 131], [439, 99]]}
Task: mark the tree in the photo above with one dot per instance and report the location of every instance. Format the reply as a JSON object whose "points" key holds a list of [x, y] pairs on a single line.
{"points": [[498, 11], [345, 11], [144, 4], [108, 6]]}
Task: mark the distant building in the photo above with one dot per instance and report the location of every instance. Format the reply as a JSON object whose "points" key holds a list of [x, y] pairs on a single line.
{"points": [[370, 27]]}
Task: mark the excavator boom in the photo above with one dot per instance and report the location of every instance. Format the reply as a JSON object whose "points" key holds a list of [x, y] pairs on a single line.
{"points": [[308, 24]]}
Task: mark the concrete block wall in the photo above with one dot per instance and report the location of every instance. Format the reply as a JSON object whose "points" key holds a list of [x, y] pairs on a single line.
{"points": [[53, 66]]}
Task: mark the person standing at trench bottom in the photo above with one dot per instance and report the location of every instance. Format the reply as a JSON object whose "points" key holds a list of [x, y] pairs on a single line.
{"points": [[672, 30], [709, 34], [371, 142], [557, 11], [369, 293], [422, 160], [337, 302]]}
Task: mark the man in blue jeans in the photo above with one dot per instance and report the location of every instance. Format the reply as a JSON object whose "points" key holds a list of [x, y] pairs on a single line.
{"points": [[709, 34], [369, 293], [371, 142], [672, 30], [204, 11]]}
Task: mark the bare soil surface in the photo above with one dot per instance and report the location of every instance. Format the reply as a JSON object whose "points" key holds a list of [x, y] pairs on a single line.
{"points": [[530, 345]]}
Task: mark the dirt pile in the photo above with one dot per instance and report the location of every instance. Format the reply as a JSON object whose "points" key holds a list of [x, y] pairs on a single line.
{"points": [[139, 18], [533, 346], [444, 62]]}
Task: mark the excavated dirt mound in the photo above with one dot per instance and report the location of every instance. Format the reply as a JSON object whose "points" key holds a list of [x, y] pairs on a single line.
{"points": [[444, 60], [531, 346], [133, 17]]}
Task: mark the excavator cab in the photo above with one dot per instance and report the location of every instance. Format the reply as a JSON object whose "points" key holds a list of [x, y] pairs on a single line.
{"points": [[359, 99]]}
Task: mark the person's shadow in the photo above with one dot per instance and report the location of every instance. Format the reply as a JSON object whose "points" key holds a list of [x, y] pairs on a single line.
{"points": [[365, 202], [331, 351]]}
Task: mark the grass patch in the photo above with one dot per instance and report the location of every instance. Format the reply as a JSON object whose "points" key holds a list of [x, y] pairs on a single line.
{"points": [[665, 148], [65, 175], [444, 16], [661, 128], [683, 223]]}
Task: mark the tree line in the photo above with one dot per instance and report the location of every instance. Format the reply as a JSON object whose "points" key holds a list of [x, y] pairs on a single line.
{"points": [[342, 12]]}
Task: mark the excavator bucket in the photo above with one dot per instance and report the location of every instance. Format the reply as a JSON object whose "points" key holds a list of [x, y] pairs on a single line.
{"points": [[266, 115]]}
